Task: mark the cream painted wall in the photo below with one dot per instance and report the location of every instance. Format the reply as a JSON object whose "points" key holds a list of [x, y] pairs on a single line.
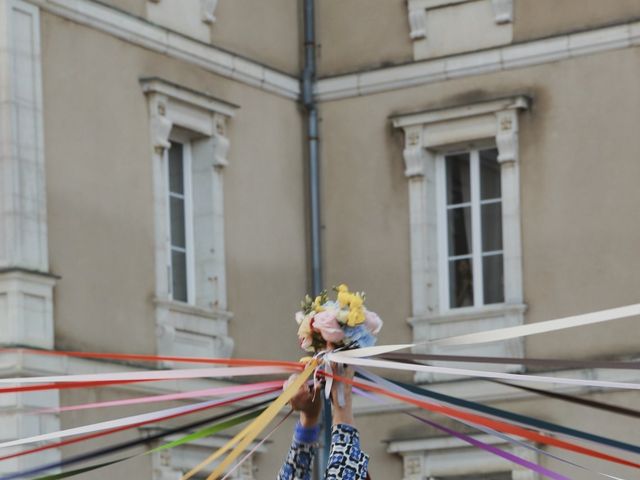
{"points": [[268, 32], [99, 187], [532, 18], [361, 34], [365, 209], [578, 164]]}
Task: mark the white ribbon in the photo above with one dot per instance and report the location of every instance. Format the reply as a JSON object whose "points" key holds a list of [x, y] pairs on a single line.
{"points": [[120, 422], [541, 327], [368, 362], [509, 332], [155, 375]]}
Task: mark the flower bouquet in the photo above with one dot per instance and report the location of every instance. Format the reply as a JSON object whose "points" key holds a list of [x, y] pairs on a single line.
{"points": [[325, 324]]}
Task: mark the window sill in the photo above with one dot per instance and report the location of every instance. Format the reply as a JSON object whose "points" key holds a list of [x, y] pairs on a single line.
{"points": [[471, 313], [188, 330], [469, 320]]}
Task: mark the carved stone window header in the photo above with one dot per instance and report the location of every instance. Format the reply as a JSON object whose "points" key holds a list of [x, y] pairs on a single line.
{"points": [[446, 126], [196, 111]]}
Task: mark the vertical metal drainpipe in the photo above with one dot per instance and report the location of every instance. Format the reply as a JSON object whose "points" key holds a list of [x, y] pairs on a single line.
{"points": [[308, 100]]}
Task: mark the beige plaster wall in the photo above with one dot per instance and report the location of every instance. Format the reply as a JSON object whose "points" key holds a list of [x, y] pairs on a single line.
{"points": [[99, 184], [533, 18], [578, 191], [361, 34], [268, 32]]}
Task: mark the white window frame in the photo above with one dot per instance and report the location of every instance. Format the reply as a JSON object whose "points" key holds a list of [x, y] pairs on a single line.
{"points": [[477, 253], [430, 134], [187, 173], [200, 326]]}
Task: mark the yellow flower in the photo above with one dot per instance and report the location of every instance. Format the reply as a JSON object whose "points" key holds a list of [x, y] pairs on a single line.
{"points": [[356, 301], [355, 317], [317, 306], [343, 295]]}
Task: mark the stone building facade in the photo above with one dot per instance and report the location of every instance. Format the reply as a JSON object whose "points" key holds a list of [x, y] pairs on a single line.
{"points": [[478, 170]]}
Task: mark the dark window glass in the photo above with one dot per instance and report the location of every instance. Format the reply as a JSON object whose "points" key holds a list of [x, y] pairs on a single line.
{"points": [[489, 174], [176, 207], [179, 274], [460, 283], [458, 179], [459, 221], [176, 174], [491, 227], [493, 279]]}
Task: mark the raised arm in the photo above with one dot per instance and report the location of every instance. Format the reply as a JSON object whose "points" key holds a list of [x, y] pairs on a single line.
{"points": [[346, 459], [299, 461]]}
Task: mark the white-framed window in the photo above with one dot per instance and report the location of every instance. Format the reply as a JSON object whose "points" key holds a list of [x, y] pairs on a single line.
{"points": [[470, 225], [189, 154], [462, 168], [180, 218]]}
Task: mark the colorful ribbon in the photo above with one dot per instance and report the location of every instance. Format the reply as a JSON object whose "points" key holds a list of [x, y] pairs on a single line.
{"points": [[127, 426], [585, 402], [494, 450], [187, 373], [494, 424], [207, 392], [246, 436], [519, 418], [536, 362], [128, 445], [246, 362], [341, 357], [385, 383], [398, 388]]}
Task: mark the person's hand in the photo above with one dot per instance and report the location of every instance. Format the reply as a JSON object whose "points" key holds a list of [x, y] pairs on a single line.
{"points": [[342, 414], [307, 401]]}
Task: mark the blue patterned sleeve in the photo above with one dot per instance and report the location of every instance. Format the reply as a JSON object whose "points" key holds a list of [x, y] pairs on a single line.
{"points": [[297, 465], [346, 460]]}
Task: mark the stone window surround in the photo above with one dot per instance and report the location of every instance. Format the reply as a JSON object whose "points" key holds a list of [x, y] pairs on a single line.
{"points": [[202, 328], [418, 11], [207, 10], [443, 457], [426, 135]]}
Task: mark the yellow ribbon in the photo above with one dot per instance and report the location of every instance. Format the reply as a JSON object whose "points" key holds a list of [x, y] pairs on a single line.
{"points": [[250, 432]]}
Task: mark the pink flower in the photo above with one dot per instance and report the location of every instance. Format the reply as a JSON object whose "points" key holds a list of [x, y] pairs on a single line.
{"points": [[327, 324], [372, 321]]}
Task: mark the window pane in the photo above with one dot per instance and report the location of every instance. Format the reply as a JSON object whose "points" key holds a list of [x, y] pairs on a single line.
{"points": [[493, 278], [460, 283], [176, 207], [458, 179], [179, 273], [176, 177], [489, 174], [491, 227], [459, 231]]}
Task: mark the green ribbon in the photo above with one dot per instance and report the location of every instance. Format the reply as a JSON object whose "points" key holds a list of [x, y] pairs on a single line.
{"points": [[205, 432]]}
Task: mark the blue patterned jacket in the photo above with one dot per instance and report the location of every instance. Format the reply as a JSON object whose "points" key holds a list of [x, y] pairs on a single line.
{"points": [[346, 460]]}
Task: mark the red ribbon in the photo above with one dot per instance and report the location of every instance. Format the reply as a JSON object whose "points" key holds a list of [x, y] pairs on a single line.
{"points": [[494, 424]]}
